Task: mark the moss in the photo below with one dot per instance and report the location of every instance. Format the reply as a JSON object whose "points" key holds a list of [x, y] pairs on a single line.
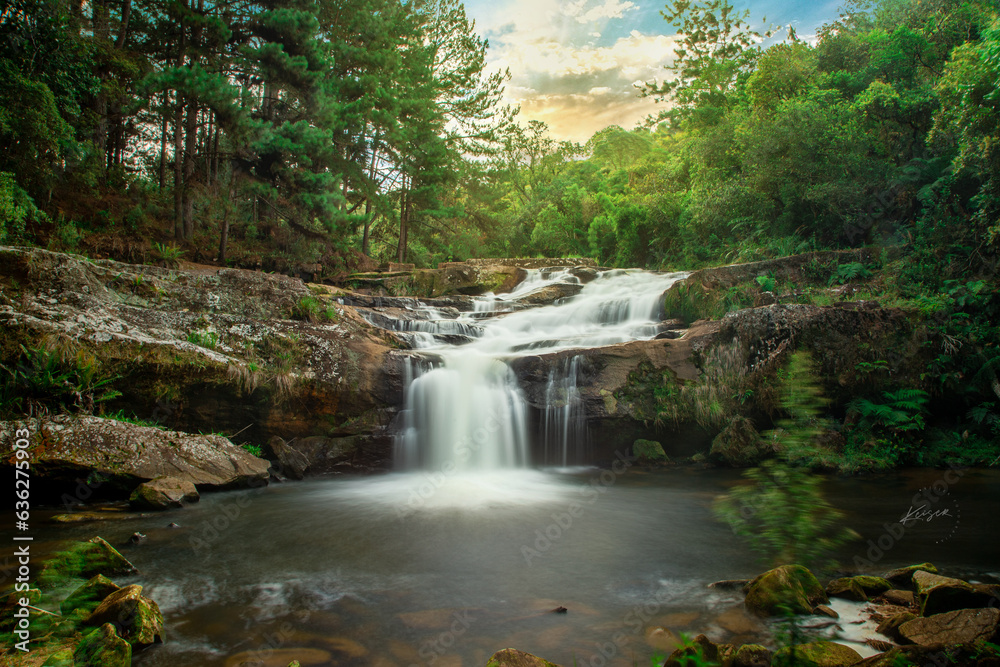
{"points": [[649, 451], [103, 647], [84, 560], [87, 597], [787, 588], [816, 654]]}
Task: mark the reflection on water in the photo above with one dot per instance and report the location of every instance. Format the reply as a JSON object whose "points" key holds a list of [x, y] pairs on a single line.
{"points": [[446, 569]]}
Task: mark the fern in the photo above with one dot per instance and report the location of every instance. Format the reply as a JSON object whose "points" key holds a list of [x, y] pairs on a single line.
{"points": [[902, 410]]}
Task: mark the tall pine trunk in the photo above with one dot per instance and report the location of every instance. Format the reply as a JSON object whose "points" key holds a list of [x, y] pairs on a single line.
{"points": [[179, 171], [190, 148]]}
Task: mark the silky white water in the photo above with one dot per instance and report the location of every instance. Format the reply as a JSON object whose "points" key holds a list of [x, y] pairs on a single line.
{"points": [[464, 409]]}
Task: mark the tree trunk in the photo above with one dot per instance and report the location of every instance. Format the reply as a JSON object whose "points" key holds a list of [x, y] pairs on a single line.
{"points": [[224, 235], [101, 19], [179, 171], [163, 142], [190, 148], [123, 31], [404, 208]]}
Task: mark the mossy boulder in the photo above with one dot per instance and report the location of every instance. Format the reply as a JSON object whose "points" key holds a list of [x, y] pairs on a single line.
{"points": [[937, 594], [511, 657], [751, 655], [902, 577], [163, 493], [816, 654], [789, 588], [649, 452], [84, 560], [88, 596], [847, 589], [103, 647], [61, 658], [700, 646], [738, 445], [135, 617], [12, 603]]}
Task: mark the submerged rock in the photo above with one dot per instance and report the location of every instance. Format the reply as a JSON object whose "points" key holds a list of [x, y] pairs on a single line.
{"points": [[789, 588], [281, 657], [816, 654], [164, 493], [511, 657]]}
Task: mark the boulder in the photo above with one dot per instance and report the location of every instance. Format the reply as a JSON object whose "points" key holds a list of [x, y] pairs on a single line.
{"points": [[584, 273], [789, 587], [61, 658], [751, 655], [953, 627], [700, 651], [103, 647], [823, 610], [127, 453], [136, 618], [846, 588], [898, 598], [902, 577], [937, 594], [649, 452], [816, 654], [88, 596], [316, 455], [84, 560], [738, 445], [163, 493], [548, 294], [511, 657], [890, 626], [872, 586]]}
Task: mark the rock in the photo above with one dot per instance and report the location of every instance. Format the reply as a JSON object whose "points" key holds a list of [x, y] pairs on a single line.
{"points": [[662, 639], [790, 587], [12, 603], [890, 626], [88, 596], [103, 647], [953, 627], [937, 594], [751, 655], [649, 452], [62, 658], [281, 657], [737, 621], [84, 560], [163, 493], [137, 538], [125, 452], [816, 654], [315, 455], [548, 294], [584, 273], [88, 517], [823, 610], [136, 618], [738, 445], [898, 598], [729, 584], [511, 657], [872, 586], [903, 577], [699, 646], [847, 589]]}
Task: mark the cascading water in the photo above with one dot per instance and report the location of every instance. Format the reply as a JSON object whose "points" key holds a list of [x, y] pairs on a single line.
{"points": [[464, 409]]}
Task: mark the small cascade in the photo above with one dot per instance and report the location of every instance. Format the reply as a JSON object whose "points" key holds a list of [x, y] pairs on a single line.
{"points": [[564, 424]]}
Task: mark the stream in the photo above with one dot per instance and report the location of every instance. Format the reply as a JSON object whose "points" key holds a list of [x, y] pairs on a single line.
{"points": [[493, 520]]}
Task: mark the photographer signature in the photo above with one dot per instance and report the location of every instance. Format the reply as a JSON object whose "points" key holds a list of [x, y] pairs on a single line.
{"points": [[924, 514]]}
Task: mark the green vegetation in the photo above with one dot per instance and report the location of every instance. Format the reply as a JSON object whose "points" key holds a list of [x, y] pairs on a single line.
{"points": [[55, 378]]}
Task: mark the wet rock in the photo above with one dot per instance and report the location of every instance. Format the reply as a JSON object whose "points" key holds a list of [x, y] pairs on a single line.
{"points": [[649, 452], [584, 273], [163, 493], [701, 645], [751, 655], [136, 618], [823, 610], [88, 517], [816, 654], [789, 587], [872, 586], [317, 455], [84, 560], [61, 658], [738, 445], [902, 577], [729, 584], [89, 595], [953, 627], [937, 594], [511, 657], [12, 603], [103, 647], [898, 598], [737, 621], [137, 538], [549, 294], [890, 626], [125, 452], [662, 639], [847, 588], [281, 657]]}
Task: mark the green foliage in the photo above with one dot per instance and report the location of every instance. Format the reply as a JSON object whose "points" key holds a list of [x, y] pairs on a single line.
{"points": [[252, 448], [45, 379], [901, 411], [207, 339], [167, 254], [850, 272], [782, 511], [313, 310]]}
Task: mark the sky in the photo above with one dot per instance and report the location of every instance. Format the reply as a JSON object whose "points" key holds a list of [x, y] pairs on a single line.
{"points": [[574, 63]]}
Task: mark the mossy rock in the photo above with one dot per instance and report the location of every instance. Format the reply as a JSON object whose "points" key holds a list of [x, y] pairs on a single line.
{"points": [[902, 577], [789, 588], [103, 647], [88, 596], [63, 658], [816, 654], [738, 445], [649, 451], [701, 650], [751, 655], [12, 603], [872, 586], [137, 618], [846, 588], [511, 657], [83, 560]]}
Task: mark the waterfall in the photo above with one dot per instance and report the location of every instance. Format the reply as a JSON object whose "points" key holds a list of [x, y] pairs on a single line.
{"points": [[464, 410]]}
